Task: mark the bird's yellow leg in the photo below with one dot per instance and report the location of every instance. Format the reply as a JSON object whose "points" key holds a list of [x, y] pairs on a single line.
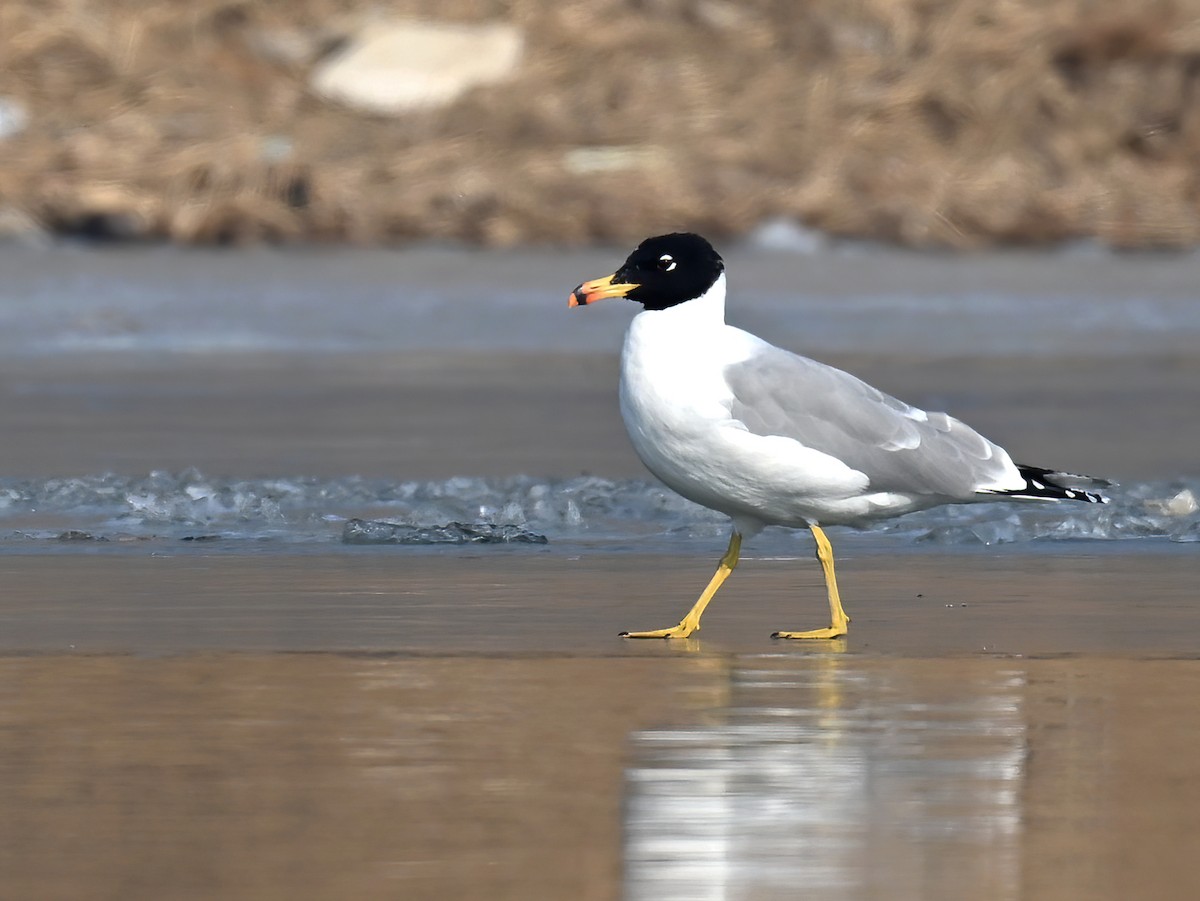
{"points": [[839, 622], [691, 622]]}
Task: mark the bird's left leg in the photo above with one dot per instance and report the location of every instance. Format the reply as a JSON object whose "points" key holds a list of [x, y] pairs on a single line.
{"points": [[839, 621], [691, 622]]}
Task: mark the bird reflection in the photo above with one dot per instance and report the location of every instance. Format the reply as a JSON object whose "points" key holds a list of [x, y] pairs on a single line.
{"points": [[836, 776]]}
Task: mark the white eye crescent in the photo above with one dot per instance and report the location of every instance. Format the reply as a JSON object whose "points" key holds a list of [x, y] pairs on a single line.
{"points": [[666, 262]]}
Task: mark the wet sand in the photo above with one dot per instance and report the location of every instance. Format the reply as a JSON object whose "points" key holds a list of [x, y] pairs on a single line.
{"points": [[465, 725], [390, 600], [328, 775], [319, 776]]}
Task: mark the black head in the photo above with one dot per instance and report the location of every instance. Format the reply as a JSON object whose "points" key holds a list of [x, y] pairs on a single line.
{"points": [[662, 272]]}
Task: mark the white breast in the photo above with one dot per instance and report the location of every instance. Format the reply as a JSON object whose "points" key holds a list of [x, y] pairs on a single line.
{"points": [[676, 405], [672, 390]]}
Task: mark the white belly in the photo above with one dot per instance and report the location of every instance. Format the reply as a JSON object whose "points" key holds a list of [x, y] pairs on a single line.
{"points": [[675, 403]]}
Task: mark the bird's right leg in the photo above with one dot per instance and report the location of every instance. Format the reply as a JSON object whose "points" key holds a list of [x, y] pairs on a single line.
{"points": [[691, 622]]}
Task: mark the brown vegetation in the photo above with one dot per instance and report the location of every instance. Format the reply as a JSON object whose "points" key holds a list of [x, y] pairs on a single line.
{"points": [[923, 122]]}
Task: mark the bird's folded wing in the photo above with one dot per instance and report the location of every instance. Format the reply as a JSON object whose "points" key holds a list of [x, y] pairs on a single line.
{"points": [[898, 447]]}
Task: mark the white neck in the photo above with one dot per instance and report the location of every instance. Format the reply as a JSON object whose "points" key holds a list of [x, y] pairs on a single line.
{"points": [[664, 345], [705, 311]]}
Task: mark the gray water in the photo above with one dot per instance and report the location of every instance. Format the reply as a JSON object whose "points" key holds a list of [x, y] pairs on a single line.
{"points": [[279, 410], [173, 324], [136, 300]]}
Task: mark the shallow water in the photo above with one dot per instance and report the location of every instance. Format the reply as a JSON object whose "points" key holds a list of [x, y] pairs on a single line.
{"points": [[206, 691], [839, 778], [583, 514], [71, 300], [831, 776]]}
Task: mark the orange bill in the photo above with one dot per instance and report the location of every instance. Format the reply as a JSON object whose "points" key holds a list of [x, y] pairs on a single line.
{"points": [[598, 289]]}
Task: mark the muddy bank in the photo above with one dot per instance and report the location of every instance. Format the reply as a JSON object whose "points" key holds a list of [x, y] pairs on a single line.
{"points": [[929, 124]]}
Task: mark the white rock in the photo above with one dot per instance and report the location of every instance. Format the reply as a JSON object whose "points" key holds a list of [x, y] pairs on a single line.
{"points": [[13, 117], [587, 160], [394, 67], [785, 235]]}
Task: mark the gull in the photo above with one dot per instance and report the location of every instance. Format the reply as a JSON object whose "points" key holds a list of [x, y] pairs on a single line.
{"points": [[768, 437]]}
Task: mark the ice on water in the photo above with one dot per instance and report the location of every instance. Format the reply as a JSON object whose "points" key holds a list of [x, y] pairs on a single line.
{"points": [[363, 531], [581, 509], [1146, 510]]}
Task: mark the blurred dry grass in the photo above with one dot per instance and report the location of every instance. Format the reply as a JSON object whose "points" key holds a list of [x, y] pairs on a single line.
{"points": [[924, 122]]}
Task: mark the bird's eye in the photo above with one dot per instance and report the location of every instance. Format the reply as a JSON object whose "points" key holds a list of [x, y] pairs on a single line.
{"points": [[666, 262]]}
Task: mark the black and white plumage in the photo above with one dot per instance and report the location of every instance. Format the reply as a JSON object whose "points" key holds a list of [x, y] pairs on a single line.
{"points": [[769, 437]]}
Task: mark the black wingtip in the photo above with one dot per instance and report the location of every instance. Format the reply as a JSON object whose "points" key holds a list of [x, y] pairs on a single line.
{"points": [[1049, 484]]}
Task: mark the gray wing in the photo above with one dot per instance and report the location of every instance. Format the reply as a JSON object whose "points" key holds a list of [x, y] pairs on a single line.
{"points": [[898, 447]]}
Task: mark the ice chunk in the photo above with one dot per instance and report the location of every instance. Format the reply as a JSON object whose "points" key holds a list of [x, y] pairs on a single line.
{"points": [[1182, 504], [363, 531], [997, 531]]}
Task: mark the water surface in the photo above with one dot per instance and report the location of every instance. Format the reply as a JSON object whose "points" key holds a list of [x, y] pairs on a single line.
{"points": [[206, 692]]}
